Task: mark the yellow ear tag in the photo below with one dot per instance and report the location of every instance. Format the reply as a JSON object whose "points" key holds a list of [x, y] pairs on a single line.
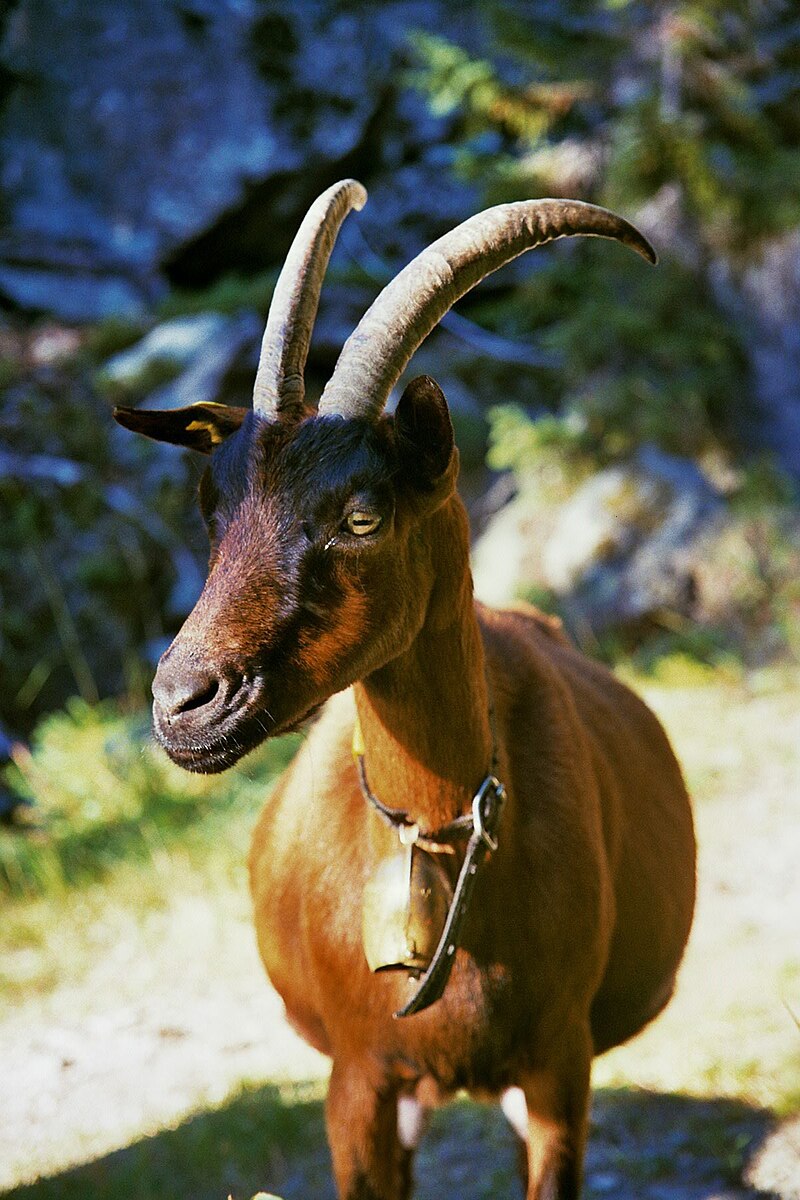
{"points": [[214, 434]]}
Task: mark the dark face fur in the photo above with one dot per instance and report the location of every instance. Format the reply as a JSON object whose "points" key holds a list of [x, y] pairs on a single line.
{"points": [[319, 570]]}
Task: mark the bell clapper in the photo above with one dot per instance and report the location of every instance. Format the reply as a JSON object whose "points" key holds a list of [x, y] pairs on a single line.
{"points": [[408, 834]]}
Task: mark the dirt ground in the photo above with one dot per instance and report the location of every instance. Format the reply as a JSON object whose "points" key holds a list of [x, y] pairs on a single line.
{"points": [[174, 1014]]}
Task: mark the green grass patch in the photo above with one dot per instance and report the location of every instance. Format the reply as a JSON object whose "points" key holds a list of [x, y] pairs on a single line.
{"points": [[692, 656], [104, 793], [273, 1136], [111, 336], [233, 1150], [10, 372]]}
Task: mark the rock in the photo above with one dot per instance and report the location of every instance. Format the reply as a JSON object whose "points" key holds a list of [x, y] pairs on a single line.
{"points": [[54, 344], [342, 305], [503, 564], [129, 129], [183, 140], [236, 342], [620, 549], [601, 522], [621, 545], [408, 208], [775, 1169], [174, 343], [616, 511], [767, 308], [194, 353]]}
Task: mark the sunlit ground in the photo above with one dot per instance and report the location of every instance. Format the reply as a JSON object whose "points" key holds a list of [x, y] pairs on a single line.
{"points": [[134, 1006]]}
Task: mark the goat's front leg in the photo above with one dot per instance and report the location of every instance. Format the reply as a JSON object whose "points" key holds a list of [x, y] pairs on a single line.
{"points": [[369, 1159], [556, 1104]]}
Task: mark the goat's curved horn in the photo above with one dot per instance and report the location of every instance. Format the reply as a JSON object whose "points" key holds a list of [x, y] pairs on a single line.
{"points": [[408, 308], [279, 385]]}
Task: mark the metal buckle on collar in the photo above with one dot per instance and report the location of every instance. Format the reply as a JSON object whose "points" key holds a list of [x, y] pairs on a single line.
{"points": [[487, 806]]}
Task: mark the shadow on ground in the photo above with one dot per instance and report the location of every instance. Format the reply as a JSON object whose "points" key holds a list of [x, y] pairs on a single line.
{"points": [[644, 1146]]}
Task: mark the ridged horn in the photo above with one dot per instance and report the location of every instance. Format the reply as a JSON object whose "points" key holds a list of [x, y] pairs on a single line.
{"points": [[279, 386], [408, 308]]}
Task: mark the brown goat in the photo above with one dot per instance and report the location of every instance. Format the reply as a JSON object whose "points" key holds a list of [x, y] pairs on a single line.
{"points": [[340, 572]]}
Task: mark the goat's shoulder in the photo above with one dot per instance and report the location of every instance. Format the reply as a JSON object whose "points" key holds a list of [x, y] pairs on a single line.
{"points": [[525, 647]]}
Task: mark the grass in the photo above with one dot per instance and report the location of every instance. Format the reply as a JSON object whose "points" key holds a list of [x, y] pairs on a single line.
{"points": [[210, 1155], [277, 1133], [105, 794], [50, 941], [136, 875]]}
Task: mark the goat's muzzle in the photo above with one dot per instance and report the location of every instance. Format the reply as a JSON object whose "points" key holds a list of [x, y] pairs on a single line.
{"points": [[205, 719]]}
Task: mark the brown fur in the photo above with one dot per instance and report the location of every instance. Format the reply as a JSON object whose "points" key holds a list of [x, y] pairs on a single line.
{"points": [[579, 920]]}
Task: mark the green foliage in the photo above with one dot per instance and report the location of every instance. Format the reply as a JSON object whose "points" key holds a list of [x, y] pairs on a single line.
{"points": [[230, 294], [92, 546], [718, 115], [456, 82], [703, 95], [763, 485], [471, 437], [648, 355], [687, 655], [761, 561], [523, 445], [625, 104], [9, 371], [644, 358], [105, 793], [112, 336]]}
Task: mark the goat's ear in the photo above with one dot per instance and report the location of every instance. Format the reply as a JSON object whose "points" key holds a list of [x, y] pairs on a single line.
{"points": [[424, 430], [199, 427]]}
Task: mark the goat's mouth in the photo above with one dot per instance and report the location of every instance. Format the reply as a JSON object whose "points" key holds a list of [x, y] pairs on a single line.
{"points": [[208, 749], [205, 757]]}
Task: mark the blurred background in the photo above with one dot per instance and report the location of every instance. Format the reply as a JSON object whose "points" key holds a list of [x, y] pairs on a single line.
{"points": [[630, 442]]}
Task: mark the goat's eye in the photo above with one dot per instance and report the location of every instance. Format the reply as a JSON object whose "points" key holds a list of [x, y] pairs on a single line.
{"points": [[360, 522]]}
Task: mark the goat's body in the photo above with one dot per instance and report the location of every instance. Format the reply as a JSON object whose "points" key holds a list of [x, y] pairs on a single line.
{"points": [[627, 901], [578, 923]]}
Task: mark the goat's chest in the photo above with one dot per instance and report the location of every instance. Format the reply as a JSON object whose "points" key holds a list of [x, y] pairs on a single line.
{"points": [[310, 865], [309, 924]]}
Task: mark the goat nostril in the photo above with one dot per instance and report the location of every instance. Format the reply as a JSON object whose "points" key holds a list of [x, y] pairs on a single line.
{"points": [[197, 693], [199, 698]]}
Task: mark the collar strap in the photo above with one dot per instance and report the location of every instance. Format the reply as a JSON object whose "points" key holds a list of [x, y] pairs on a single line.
{"points": [[399, 819]]}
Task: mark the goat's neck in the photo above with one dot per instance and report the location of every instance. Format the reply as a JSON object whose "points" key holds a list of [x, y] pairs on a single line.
{"points": [[425, 715]]}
